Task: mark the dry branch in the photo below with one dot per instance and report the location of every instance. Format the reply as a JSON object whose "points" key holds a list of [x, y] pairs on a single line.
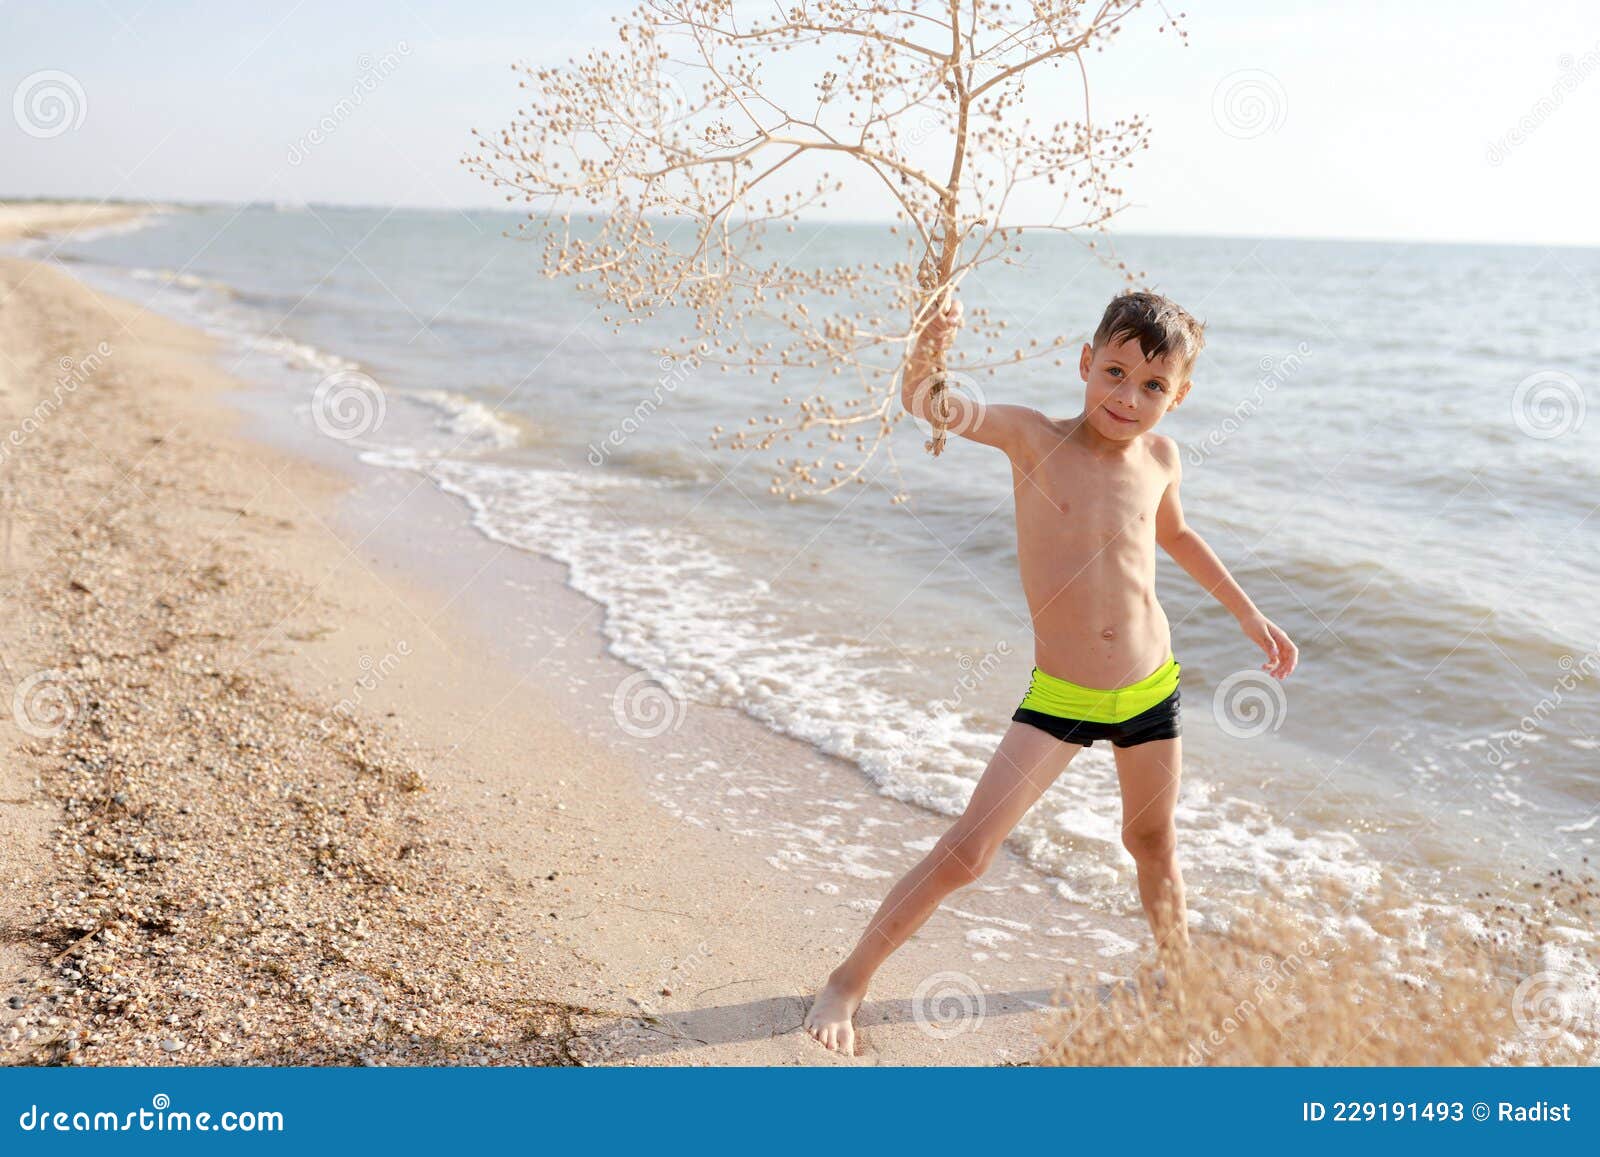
{"points": [[659, 169]]}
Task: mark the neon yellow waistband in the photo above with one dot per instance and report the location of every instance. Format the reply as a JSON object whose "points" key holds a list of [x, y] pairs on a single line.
{"points": [[1066, 700]]}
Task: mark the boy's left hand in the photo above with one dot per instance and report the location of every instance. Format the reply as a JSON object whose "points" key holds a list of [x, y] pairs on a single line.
{"points": [[1281, 652]]}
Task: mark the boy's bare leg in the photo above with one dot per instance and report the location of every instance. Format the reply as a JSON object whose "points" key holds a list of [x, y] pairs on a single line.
{"points": [[1024, 765], [1149, 774]]}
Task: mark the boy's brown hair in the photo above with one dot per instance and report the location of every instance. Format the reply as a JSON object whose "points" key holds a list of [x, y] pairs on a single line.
{"points": [[1160, 325]]}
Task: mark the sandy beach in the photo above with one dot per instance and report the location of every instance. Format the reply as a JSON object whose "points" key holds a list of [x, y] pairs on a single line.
{"points": [[307, 772], [39, 219]]}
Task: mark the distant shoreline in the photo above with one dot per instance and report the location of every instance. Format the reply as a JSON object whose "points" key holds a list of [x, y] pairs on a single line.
{"points": [[48, 206], [32, 220]]}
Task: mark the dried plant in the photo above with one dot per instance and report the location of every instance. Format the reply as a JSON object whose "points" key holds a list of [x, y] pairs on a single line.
{"points": [[1515, 984], [658, 167]]}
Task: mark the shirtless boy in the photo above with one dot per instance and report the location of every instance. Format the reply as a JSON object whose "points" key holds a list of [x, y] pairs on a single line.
{"points": [[1095, 495]]}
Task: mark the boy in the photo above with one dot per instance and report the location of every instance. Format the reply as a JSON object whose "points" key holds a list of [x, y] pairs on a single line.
{"points": [[1095, 494]]}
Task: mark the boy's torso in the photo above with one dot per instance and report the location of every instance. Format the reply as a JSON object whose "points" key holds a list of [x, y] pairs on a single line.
{"points": [[1086, 543]]}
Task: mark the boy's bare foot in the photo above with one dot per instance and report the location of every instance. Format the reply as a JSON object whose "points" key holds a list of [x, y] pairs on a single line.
{"points": [[829, 1020]]}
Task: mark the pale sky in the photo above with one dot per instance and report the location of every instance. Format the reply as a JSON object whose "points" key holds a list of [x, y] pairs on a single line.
{"points": [[1380, 117]]}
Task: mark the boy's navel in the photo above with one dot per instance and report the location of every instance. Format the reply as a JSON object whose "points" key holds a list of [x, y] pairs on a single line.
{"points": [[1108, 633]]}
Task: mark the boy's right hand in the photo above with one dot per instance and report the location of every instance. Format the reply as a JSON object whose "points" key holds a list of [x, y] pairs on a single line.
{"points": [[940, 333], [1009, 428]]}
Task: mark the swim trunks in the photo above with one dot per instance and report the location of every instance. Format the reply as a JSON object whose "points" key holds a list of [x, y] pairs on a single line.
{"points": [[1127, 716]]}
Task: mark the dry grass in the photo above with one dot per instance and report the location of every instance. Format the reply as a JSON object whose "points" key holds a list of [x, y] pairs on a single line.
{"points": [[1513, 984]]}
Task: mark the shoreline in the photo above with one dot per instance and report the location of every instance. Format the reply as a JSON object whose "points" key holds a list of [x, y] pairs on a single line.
{"points": [[41, 220], [675, 970]]}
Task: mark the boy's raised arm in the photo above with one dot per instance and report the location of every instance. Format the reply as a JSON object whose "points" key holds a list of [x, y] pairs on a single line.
{"points": [[1003, 426]]}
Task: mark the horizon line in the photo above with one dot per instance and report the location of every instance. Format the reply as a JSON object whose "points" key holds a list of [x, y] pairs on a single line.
{"points": [[375, 206]]}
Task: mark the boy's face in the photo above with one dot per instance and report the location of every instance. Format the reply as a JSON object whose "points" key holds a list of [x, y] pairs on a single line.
{"points": [[1126, 393]]}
